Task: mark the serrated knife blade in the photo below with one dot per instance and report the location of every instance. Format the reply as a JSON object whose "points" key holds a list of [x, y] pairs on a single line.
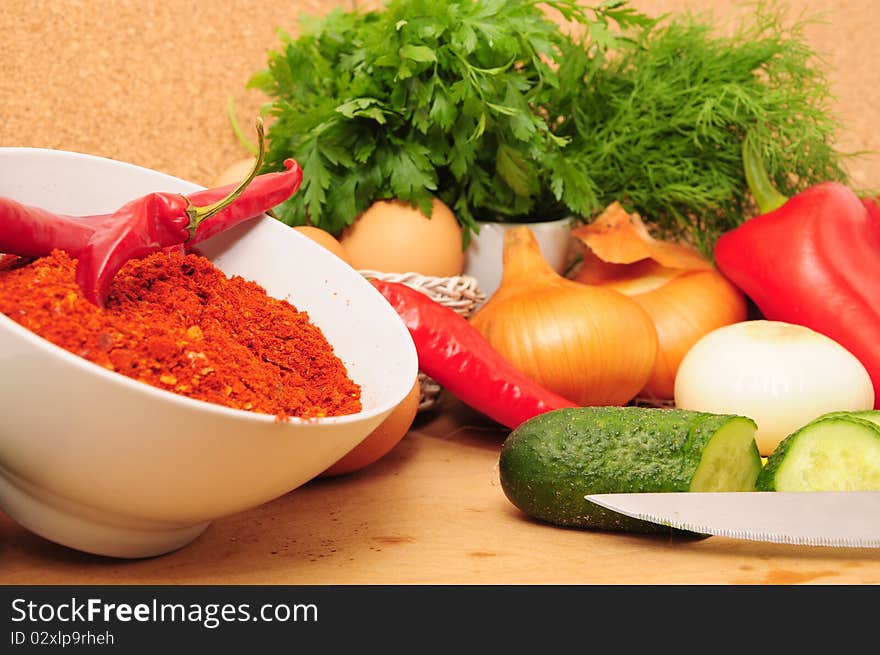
{"points": [[846, 519]]}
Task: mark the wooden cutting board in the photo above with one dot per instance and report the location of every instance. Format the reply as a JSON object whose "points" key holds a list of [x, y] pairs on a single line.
{"points": [[430, 512]]}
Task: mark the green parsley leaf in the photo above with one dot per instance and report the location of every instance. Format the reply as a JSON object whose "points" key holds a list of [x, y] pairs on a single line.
{"points": [[418, 53]]}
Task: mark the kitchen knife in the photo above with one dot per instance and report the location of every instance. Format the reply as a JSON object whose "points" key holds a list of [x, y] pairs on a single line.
{"points": [[848, 519]]}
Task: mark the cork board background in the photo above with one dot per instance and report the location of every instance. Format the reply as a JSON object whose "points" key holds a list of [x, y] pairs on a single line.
{"points": [[148, 82]]}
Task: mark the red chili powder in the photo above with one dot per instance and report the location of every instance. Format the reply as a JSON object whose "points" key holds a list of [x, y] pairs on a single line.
{"points": [[177, 322]]}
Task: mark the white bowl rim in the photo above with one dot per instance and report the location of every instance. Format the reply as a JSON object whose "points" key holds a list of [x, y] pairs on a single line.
{"points": [[136, 386]]}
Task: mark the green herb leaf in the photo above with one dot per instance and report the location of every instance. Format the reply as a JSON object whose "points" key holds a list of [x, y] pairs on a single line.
{"points": [[363, 107], [516, 171], [418, 53], [660, 127], [409, 170]]}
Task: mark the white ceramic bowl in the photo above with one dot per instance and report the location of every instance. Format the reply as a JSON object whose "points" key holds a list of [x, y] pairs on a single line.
{"points": [[102, 463]]}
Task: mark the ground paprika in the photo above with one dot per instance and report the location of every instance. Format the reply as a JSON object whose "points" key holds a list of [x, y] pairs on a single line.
{"points": [[177, 322]]}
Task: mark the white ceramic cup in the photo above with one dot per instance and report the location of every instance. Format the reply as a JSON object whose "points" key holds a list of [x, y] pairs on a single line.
{"points": [[483, 257]]}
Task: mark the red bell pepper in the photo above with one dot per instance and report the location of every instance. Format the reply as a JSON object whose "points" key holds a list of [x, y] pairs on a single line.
{"points": [[458, 357], [812, 259]]}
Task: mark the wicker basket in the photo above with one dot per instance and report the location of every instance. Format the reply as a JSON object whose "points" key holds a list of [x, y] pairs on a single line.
{"points": [[459, 293]]}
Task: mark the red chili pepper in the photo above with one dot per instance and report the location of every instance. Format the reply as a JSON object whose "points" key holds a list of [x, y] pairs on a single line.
{"points": [[266, 191], [458, 357], [812, 259], [103, 244], [162, 220], [34, 232]]}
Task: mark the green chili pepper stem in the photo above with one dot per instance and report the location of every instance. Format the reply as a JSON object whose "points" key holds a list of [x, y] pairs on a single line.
{"points": [[765, 194], [199, 214]]}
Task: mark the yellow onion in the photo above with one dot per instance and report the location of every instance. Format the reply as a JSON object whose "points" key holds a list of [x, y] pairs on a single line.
{"points": [[591, 345], [679, 288]]}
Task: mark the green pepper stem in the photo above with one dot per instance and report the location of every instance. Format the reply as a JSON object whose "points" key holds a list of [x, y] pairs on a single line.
{"points": [[199, 214], [765, 194]]}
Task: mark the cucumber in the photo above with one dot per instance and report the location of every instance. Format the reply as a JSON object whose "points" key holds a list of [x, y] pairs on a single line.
{"points": [[872, 415], [550, 462], [835, 452]]}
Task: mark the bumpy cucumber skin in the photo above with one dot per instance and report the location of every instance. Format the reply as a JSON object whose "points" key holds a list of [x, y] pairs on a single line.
{"points": [[767, 477], [549, 463]]}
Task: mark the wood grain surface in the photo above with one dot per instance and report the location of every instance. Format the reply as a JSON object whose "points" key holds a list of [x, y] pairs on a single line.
{"points": [[148, 83], [430, 512]]}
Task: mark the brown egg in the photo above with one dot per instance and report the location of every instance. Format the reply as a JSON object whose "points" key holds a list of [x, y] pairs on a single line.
{"points": [[234, 173], [395, 237], [381, 440], [324, 238]]}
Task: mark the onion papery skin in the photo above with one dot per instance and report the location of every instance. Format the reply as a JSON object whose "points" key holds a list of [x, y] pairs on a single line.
{"points": [[684, 309]]}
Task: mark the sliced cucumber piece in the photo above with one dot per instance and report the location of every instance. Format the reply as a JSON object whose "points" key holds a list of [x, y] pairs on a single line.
{"points": [[730, 460], [549, 463], [836, 452], [872, 415]]}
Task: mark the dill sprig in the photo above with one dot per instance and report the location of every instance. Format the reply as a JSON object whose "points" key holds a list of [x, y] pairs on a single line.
{"points": [[660, 127]]}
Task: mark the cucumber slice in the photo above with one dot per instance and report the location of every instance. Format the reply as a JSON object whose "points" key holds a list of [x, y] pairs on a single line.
{"points": [[733, 442], [835, 452], [549, 463], [872, 415]]}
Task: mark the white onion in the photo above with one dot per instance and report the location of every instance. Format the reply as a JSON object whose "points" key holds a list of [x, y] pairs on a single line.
{"points": [[780, 375]]}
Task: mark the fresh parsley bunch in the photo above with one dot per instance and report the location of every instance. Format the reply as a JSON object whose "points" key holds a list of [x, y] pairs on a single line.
{"points": [[424, 98]]}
